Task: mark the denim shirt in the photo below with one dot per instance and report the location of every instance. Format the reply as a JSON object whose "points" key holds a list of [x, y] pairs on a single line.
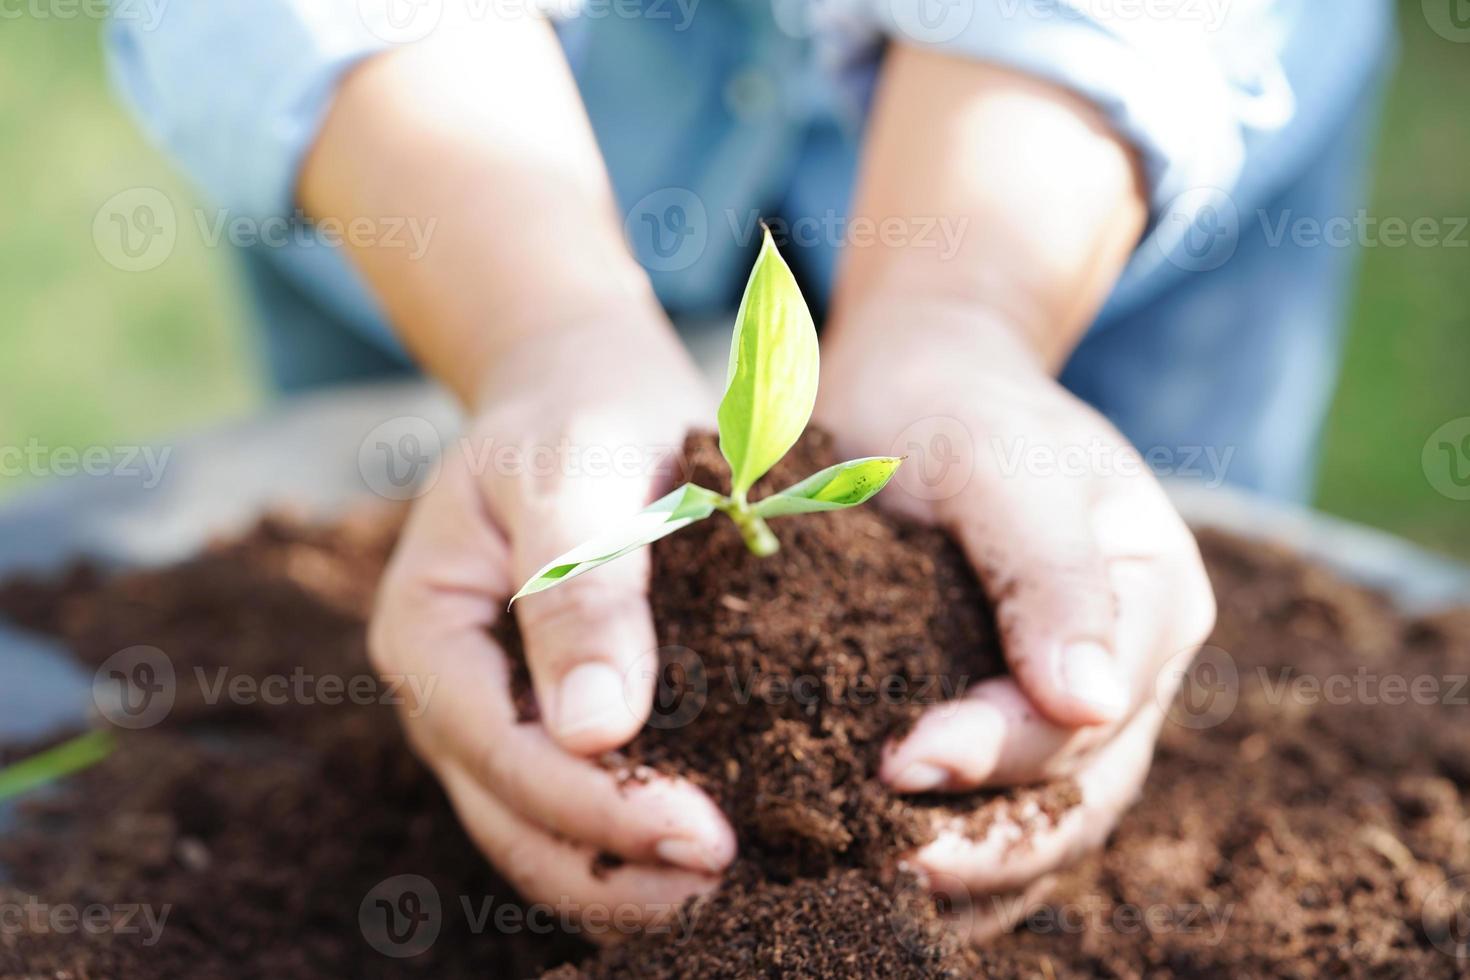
{"points": [[711, 114]]}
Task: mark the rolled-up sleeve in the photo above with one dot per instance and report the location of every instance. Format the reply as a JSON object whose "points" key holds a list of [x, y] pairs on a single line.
{"points": [[236, 90], [1181, 80]]}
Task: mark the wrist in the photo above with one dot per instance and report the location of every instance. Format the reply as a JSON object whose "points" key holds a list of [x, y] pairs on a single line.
{"points": [[962, 331], [573, 345]]}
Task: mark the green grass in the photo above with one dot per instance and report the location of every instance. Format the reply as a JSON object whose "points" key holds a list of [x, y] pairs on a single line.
{"points": [[1407, 368], [91, 355]]}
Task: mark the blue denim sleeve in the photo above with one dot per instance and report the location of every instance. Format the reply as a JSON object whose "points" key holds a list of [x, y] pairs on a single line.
{"points": [[235, 90], [1181, 81]]}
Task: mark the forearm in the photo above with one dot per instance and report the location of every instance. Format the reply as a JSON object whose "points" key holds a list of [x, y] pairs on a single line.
{"points": [[478, 135], [1043, 202]]}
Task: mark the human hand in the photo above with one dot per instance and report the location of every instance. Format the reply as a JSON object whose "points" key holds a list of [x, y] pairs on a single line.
{"points": [[576, 429], [1096, 581]]}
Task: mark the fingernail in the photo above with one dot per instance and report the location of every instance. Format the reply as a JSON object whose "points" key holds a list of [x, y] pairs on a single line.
{"points": [[590, 698], [920, 777], [1089, 674], [688, 854]]}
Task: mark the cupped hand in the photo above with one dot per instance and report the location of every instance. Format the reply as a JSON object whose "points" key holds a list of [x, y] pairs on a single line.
{"points": [[577, 429], [1096, 582]]}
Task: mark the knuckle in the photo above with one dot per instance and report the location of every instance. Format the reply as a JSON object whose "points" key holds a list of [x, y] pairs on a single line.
{"points": [[495, 767], [570, 609]]}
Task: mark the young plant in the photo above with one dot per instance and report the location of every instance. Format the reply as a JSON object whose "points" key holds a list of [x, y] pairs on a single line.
{"points": [[69, 757], [770, 391]]}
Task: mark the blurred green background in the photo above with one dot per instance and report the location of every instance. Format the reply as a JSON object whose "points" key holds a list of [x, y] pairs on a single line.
{"points": [[92, 355]]}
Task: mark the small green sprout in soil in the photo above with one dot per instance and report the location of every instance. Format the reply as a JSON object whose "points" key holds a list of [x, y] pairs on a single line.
{"points": [[770, 391], [47, 766]]}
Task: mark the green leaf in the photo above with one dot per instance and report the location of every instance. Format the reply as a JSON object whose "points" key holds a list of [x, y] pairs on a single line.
{"points": [[772, 382], [45, 767], [663, 517], [844, 485]]}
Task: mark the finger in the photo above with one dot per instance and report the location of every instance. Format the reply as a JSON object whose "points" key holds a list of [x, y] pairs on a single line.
{"points": [[589, 643], [1031, 542], [993, 736], [1027, 845], [649, 819], [611, 904], [1166, 603], [430, 631]]}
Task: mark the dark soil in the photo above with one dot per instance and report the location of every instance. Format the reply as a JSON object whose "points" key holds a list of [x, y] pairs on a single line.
{"points": [[782, 677], [1299, 836]]}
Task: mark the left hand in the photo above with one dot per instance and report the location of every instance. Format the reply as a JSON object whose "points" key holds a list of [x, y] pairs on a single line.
{"points": [[1097, 583]]}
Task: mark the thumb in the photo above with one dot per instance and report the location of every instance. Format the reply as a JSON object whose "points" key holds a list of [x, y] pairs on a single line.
{"points": [[589, 643], [1033, 547]]}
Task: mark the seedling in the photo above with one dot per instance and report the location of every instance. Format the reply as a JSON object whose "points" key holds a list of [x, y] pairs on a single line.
{"points": [[69, 757], [770, 391]]}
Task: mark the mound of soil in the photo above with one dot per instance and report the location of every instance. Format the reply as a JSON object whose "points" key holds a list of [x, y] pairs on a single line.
{"points": [[1310, 827]]}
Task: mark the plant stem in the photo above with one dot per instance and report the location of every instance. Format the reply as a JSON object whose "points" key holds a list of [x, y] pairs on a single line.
{"points": [[753, 528], [61, 760]]}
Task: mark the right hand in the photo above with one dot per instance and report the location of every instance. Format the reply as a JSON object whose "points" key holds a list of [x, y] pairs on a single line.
{"points": [[576, 430]]}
